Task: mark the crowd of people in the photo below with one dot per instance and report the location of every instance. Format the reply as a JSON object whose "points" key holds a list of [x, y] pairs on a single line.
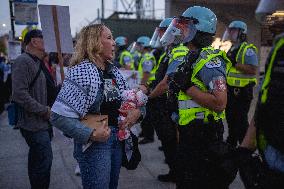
{"points": [[191, 89]]}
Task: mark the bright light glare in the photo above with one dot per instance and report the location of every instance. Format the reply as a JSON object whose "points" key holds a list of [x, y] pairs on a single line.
{"points": [[222, 45]]}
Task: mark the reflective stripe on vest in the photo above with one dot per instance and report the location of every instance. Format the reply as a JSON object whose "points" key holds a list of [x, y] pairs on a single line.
{"points": [[148, 57], [235, 77], [121, 59], [267, 78], [178, 52], [189, 110]]}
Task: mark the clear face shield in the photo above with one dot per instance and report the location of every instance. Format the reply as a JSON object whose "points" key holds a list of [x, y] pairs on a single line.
{"points": [[130, 48], [135, 47], [155, 41], [180, 30], [231, 34], [154, 38]]}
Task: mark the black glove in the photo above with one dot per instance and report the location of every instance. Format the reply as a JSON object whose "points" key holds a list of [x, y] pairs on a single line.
{"points": [[183, 80], [243, 155], [251, 168], [184, 71], [174, 87]]}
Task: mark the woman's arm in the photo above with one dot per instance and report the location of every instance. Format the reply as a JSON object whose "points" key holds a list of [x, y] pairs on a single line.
{"points": [[71, 127], [81, 133]]}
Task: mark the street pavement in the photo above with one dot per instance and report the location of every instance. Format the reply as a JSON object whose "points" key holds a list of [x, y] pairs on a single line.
{"points": [[14, 172]]}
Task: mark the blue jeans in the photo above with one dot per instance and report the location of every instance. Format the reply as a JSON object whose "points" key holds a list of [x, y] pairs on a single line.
{"points": [[100, 163], [274, 158], [40, 157]]}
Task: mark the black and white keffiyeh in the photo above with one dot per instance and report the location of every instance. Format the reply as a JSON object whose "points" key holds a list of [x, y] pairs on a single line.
{"points": [[81, 85]]}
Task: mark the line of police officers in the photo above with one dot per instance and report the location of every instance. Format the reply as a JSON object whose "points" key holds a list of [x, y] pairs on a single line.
{"points": [[192, 87]]}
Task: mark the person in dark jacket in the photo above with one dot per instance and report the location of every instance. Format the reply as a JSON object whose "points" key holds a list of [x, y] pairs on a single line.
{"points": [[34, 112]]}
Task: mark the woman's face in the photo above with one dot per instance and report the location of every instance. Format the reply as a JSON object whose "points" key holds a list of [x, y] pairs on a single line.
{"points": [[108, 45]]}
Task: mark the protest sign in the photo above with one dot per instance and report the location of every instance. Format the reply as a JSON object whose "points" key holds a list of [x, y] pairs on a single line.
{"points": [[55, 23], [25, 12], [132, 77]]}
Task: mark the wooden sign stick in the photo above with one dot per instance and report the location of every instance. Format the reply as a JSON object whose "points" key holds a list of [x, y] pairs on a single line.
{"points": [[57, 39]]}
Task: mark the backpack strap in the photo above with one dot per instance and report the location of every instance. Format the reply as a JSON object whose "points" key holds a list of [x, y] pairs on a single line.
{"points": [[35, 78], [35, 59]]}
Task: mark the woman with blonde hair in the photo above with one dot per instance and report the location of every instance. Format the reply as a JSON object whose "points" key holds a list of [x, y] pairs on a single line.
{"points": [[93, 85]]}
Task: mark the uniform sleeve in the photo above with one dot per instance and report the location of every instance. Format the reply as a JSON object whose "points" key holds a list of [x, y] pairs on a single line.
{"points": [[251, 57], [147, 66], [212, 71], [172, 68]]}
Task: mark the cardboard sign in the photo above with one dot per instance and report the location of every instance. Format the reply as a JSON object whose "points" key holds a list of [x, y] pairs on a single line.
{"points": [[133, 78], [25, 12], [55, 24]]}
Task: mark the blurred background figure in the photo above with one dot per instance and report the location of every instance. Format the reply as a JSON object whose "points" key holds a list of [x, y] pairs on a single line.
{"points": [[135, 54], [146, 68], [123, 58]]}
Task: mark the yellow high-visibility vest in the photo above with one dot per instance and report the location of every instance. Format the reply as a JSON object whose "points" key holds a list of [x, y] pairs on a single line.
{"points": [[237, 78], [188, 109]]}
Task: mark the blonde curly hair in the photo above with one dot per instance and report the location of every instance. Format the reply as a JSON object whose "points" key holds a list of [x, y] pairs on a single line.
{"points": [[88, 45]]}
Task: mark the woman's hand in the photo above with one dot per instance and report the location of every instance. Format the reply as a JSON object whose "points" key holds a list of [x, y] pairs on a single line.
{"points": [[101, 134], [131, 118]]}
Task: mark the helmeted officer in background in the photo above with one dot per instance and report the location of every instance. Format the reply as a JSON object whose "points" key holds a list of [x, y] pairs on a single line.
{"points": [[157, 48], [241, 79], [146, 68], [175, 53], [200, 84], [123, 57], [147, 63], [267, 127], [135, 54], [159, 115]]}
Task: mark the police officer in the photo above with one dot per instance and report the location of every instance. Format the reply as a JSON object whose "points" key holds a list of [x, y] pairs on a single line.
{"points": [[123, 56], [200, 84], [161, 120], [135, 54], [146, 68], [267, 127], [147, 63], [241, 79]]}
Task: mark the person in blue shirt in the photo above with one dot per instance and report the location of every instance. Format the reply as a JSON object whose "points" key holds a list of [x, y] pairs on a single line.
{"points": [[241, 79]]}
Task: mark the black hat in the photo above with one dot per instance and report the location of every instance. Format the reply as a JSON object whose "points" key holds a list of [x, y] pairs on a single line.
{"points": [[32, 34]]}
